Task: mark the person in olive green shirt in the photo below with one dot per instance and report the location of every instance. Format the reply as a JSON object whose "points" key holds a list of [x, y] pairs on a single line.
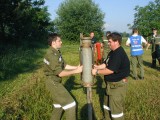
{"points": [[105, 45], [55, 68]]}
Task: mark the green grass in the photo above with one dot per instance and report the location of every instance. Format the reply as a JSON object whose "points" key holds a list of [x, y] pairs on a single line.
{"points": [[23, 95]]}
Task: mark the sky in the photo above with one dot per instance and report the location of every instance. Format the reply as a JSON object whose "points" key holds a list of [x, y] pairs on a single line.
{"points": [[118, 13]]}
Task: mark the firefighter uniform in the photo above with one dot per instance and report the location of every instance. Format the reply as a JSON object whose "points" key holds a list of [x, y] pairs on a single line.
{"points": [[155, 41], [62, 100], [116, 84]]}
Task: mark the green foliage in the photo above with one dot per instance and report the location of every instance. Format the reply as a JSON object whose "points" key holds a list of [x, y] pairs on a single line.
{"points": [[147, 17], [23, 22], [78, 16]]}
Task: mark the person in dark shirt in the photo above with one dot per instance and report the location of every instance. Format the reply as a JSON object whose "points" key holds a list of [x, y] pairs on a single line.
{"points": [[93, 39], [115, 70]]}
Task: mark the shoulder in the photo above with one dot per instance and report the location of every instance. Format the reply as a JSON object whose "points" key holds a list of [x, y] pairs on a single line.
{"points": [[118, 51], [51, 53]]}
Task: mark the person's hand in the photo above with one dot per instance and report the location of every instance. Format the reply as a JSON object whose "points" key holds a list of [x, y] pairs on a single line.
{"points": [[79, 69], [95, 66], [94, 71]]}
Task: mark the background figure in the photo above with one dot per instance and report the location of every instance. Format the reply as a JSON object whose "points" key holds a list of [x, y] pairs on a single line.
{"points": [[115, 70], [105, 45], [155, 41], [135, 42], [98, 52], [93, 39], [55, 68]]}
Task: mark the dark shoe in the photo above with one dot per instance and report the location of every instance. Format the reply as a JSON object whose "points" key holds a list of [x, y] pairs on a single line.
{"points": [[135, 78], [153, 66], [142, 78]]}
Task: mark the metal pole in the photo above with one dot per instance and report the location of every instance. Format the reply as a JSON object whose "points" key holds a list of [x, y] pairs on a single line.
{"points": [[89, 101], [86, 58]]}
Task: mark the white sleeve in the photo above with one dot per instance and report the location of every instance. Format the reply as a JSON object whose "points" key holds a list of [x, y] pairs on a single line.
{"points": [[143, 40], [128, 41]]}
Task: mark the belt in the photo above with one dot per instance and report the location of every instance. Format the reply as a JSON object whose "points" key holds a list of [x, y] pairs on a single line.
{"points": [[114, 85], [124, 80]]}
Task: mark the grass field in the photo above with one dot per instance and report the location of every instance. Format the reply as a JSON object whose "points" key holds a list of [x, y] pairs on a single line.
{"points": [[23, 95]]}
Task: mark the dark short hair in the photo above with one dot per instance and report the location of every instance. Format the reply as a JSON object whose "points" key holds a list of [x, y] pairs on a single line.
{"points": [[115, 37], [154, 29], [108, 32], [52, 37], [134, 30]]}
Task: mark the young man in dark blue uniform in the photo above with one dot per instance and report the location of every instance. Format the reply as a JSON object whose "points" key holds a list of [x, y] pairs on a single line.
{"points": [[115, 70], [55, 68]]}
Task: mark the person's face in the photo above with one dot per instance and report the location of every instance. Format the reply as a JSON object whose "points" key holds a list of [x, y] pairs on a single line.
{"points": [[91, 35], [58, 43], [112, 44], [155, 32]]}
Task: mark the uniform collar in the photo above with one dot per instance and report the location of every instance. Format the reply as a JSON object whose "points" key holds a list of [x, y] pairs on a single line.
{"points": [[54, 50]]}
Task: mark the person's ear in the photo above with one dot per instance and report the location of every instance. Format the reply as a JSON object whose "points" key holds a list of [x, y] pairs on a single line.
{"points": [[53, 42]]}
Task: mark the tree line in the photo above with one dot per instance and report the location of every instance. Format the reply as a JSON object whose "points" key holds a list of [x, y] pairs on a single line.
{"points": [[27, 23]]}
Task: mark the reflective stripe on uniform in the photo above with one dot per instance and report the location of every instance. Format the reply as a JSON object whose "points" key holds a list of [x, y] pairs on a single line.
{"points": [[57, 105], [117, 115], [69, 105], [45, 61], [106, 107], [137, 49]]}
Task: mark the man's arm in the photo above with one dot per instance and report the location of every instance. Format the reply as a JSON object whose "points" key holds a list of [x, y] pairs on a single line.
{"points": [[70, 67], [148, 45], [102, 66], [128, 42], [70, 72], [102, 71]]}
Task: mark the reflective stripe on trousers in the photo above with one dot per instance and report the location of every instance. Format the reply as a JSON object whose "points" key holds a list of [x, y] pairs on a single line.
{"points": [[66, 106], [113, 115], [106, 107]]}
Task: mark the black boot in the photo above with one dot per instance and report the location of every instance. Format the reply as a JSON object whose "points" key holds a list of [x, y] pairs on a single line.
{"points": [[159, 61], [153, 63]]}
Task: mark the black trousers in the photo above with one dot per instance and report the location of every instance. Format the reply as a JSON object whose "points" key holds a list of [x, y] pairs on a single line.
{"points": [[155, 55]]}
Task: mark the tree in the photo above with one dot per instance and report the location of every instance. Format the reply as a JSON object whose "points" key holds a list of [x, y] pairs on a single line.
{"points": [[78, 16], [23, 22], [147, 17]]}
